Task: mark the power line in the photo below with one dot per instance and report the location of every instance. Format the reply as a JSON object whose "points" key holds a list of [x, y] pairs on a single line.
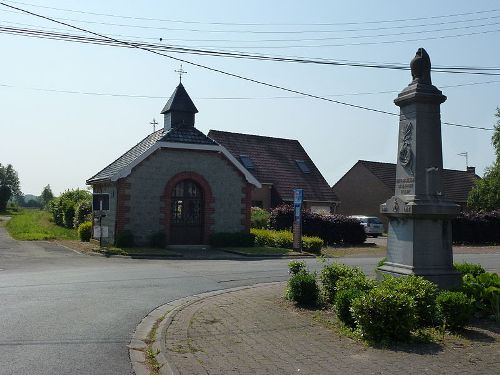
{"points": [[491, 71], [257, 24], [228, 73]]}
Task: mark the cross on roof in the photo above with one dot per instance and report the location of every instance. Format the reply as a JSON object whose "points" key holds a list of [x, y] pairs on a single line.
{"points": [[181, 72], [154, 123]]}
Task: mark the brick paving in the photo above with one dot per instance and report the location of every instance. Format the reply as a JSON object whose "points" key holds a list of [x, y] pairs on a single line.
{"points": [[253, 331]]}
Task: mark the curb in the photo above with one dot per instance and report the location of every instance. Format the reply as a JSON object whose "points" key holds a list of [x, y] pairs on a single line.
{"points": [[165, 314]]}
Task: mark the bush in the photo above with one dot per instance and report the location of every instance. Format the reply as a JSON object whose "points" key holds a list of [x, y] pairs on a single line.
{"points": [[454, 309], [384, 314], [348, 289], [85, 231], [469, 268], [83, 212], [259, 218], [302, 288], [295, 266], [284, 239], [330, 276], [477, 228], [421, 291], [332, 229], [158, 240], [232, 239], [124, 239], [55, 209], [64, 207], [484, 290]]}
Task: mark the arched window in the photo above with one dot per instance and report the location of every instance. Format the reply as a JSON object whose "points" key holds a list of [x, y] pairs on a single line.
{"points": [[187, 213]]}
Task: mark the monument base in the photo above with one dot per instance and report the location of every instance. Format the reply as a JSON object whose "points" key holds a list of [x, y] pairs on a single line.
{"points": [[430, 257]]}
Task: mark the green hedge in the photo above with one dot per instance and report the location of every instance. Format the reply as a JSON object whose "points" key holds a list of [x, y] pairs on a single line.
{"points": [[284, 239], [454, 309], [302, 288], [85, 231], [259, 218], [331, 274]]}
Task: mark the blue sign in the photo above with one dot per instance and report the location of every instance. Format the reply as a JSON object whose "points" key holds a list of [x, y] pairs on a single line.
{"points": [[298, 196]]}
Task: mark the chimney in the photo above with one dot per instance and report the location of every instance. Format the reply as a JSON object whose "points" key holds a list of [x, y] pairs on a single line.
{"points": [[471, 170]]}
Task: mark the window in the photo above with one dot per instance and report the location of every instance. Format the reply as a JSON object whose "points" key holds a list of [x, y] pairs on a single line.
{"points": [[100, 202], [303, 166], [247, 162]]}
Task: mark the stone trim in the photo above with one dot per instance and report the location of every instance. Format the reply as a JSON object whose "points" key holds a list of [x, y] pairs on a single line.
{"points": [[122, 205], [246, 207], [208, 209]]}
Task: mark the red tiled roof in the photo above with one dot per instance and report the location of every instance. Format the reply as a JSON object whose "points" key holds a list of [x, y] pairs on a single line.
{"points": [[457, 184], [274, 162]]}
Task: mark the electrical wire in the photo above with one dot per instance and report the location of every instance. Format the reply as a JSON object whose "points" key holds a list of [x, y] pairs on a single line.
{"points": [[228, 73]]}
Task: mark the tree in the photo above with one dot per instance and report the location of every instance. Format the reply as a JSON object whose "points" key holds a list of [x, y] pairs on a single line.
{"points": [[485, 195], [9, 185], [46, 196]]}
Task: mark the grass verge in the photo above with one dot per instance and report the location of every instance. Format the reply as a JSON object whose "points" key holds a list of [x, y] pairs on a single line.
{"points": [[335, 252], [35, 225], [262, 251]]}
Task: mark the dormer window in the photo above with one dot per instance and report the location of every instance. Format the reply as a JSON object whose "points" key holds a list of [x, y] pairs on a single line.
{"points": [[247, 162], [303, 166]]}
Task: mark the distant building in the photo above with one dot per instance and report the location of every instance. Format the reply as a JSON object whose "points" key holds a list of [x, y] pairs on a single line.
{"points": [[280, 165], [368, 184]]}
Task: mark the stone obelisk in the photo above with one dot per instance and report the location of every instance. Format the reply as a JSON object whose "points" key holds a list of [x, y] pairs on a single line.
{"points": [[419, 241]]}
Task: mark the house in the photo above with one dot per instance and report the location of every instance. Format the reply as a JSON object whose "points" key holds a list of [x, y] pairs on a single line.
{"points": [[368, 184], [176, 182], [280, 165]]}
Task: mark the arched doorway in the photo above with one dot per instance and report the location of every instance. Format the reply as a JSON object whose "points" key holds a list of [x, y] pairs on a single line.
{"points": [[187, 213]]}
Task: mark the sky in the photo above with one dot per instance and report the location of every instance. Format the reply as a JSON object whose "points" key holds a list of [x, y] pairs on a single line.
{"points": [[69, 109]]}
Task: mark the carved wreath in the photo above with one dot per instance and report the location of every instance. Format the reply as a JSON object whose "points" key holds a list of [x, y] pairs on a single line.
{"points": [[405, 153]]}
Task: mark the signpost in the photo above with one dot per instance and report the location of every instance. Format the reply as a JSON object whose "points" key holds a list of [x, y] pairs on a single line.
{"points": [[100, 204], [298, 198]]}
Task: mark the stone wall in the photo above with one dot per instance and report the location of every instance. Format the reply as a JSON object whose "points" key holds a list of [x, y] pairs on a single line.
{"points": [[110, 219], [142, 205]]}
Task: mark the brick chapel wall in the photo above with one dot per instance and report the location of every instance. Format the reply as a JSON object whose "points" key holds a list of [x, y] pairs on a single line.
{"points": [[145, 186], [110, 219], [361, 193]]}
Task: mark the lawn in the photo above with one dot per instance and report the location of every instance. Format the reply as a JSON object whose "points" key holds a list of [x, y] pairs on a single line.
{"points": [[262, 251], [354, 251], [34, 224]]}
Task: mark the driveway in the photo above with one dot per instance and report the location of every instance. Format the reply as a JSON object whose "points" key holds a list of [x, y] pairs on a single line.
{"points": [[66, 313]]}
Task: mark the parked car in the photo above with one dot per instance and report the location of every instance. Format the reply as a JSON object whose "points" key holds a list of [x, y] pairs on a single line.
{"points": [[373, 226]]}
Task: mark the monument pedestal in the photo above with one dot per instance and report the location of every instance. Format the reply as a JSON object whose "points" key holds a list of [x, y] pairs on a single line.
{"points": [[419, 241]]}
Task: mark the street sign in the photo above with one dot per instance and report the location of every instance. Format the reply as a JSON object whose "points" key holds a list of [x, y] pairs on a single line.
{"points": [[100, 230], [298, 196]]}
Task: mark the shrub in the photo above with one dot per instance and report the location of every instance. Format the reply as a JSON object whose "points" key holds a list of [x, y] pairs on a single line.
{"points": [[421, 291], [469, 268], [63, 208], [158, 240], [477, 228], [85, 231], [484, 290], [454, 309], [125, 239], [232, 239], [284, 239], [259, 218], [83, 212], [55, 209], [332, 229], [295, 266], [302, 288], [383, 314], [330, 276], [348, 289]]}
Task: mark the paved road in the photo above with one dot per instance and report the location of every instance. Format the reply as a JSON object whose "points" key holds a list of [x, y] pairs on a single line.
{"points": [[66, 313]]}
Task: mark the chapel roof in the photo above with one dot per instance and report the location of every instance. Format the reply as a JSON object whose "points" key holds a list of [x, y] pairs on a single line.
{"points": [[456, 184], [179, 101], [279, 162]]}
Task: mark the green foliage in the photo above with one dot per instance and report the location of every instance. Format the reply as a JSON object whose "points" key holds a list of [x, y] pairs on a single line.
{"points": [[36, 225], [46, 196], [125, 239], [284, 239], [158, 240], [348, 289], [260, 218], [421, 291], [454, 309], [85, 231], [302, 288], [485, 195], [295, 266], [484, 289], [469, 268], [64, 207], [384, 314], [330, 276], [232, 239], [83, 212], [9, 185]]}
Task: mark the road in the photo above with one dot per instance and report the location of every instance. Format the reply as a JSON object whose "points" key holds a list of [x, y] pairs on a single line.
{"points": [[62, 312]]}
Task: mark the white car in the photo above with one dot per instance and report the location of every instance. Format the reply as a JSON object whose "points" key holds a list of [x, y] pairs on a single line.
{"points": [[373, 226]]}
